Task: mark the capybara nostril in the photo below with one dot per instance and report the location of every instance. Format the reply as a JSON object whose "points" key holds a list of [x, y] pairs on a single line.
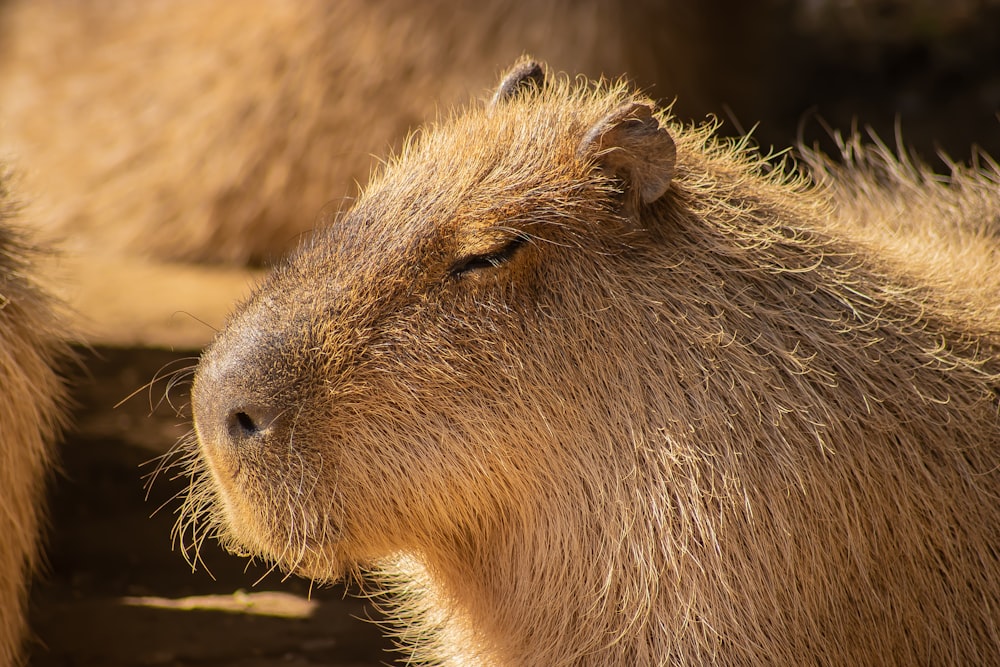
{"points": [[247, 423]]}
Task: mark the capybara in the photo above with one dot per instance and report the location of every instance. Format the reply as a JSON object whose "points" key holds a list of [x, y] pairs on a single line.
{"points": [[217, 131], [32, 339], [583, 385]]}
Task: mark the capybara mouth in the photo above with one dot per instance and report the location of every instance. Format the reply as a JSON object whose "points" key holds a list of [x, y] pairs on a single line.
{"points": [[226, 502], [252, 527]]}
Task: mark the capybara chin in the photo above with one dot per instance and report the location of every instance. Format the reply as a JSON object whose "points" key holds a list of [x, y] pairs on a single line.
{"points": [[31, 344], [584, 386]]}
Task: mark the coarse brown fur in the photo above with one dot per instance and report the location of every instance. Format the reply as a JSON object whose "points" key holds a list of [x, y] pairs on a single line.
{"points": [[31, 344], [217, 131], [587, 386]]}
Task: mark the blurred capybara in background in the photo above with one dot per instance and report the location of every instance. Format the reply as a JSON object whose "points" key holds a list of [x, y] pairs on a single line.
{"points": [[585, 385], [217, 131], [31, 393]]}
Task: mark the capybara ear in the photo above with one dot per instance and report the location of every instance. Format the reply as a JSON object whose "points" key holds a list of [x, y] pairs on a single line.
{"points": [[524, 74], [630, 144]]}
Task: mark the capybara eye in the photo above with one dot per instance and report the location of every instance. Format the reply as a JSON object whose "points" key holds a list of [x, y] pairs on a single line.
{"points": [[490, 259]]}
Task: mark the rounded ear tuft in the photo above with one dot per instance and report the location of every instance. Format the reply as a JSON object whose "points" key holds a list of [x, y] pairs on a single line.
{"points": [[629, 144], [524, 74]]}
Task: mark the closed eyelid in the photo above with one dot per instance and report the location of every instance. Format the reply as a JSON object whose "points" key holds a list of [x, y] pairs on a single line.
{"points": [[490, 258]]}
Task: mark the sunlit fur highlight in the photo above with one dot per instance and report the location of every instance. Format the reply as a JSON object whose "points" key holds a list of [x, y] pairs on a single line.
{"points": [[752, 424], [32, 342]]}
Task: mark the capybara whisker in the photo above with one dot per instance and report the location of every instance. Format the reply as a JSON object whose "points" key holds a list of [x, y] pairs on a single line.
{"points": [[181, 457], [197, 319], [172, 379]]}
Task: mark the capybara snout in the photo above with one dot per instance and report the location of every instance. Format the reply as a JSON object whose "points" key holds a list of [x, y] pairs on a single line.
{"points": [[232, 414]]}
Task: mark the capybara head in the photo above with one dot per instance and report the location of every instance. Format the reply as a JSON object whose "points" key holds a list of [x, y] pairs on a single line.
{"points": [[591, 387]]}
